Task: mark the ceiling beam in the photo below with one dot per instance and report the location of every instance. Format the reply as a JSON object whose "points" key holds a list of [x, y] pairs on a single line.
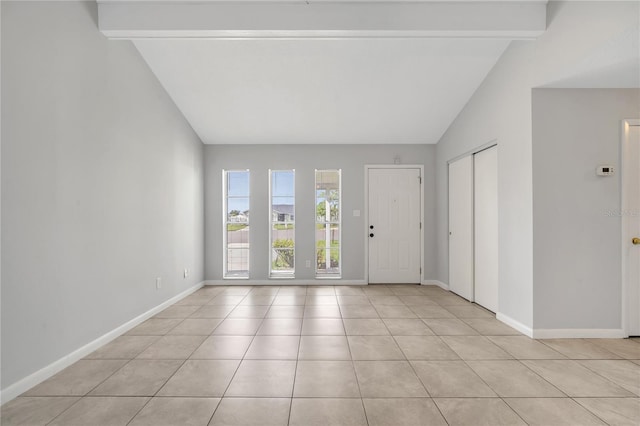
{"points": [[120, 19]]}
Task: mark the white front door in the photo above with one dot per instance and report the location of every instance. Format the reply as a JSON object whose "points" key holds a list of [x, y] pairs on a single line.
{"points": [[461, 260], [394, 227], [631, 224]]}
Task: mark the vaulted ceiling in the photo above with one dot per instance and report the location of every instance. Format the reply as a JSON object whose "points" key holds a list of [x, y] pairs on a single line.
{"points": [[285, 72]]}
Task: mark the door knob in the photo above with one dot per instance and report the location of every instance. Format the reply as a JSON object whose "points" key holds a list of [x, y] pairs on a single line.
{"points": [[371, 235], [635, 241], [370, 226]]}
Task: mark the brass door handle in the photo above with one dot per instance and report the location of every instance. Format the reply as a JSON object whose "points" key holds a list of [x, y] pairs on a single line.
{"points": [[635, 241]]}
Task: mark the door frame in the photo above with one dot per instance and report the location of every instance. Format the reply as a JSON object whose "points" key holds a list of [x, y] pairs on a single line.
{"points": [[625, 183], [368, 167]]}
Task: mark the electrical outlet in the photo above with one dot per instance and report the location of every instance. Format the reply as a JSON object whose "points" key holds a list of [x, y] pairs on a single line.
{"points": [[186, 273], [158, 283], [307, 263]]}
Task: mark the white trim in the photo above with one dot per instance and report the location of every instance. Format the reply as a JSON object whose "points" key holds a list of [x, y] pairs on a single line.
{"points": [[438, 283], [23, 385], [624, 222], [578, 333], [317, 281], [517, 325], [368, 167]]}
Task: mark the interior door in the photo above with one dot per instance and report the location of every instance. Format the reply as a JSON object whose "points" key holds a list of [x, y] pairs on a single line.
{"points": [[394, 225], [485, 171], [461, 259], [631, 217]]}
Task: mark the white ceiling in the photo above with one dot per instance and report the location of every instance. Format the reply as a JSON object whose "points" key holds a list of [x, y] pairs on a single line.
{"points": [[253, 91]]}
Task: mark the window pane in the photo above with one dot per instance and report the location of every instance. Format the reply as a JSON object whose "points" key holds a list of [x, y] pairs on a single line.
{"points": [[283, 259], [237, 261], [328, 219], [327, 232], [282, 232], [282, 183], [333, 266], [238, 210], [282, 209], [282, 250], [238, 234], [236, 227]]}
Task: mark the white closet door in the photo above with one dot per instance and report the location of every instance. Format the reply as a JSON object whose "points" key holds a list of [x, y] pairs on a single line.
{"points": [[461, 227], [486, 228]]}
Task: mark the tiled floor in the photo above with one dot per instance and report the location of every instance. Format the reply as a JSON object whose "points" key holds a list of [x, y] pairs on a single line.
{"points": [[377, 355]]}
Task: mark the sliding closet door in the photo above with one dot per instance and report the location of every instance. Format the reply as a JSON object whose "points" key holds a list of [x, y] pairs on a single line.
{"points": [[461, 227], [486, 228]]}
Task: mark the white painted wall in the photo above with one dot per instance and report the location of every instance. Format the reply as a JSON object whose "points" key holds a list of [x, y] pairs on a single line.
{"points": [[576, 224], [573, 49], [101, 186], [304, 159]]}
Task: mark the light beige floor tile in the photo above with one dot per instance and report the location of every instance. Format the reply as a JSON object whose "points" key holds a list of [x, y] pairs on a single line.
{"points": [[293, 291], [138, 378], [478, 412], [354, 300], [322, 327], [258, 299], [469, 311], [100, 411], [263, 379], [172, 347], [249, 312], [522, 347], [289, 300], [281, 327], [451, 379], [238, 327], [252, 412], [625, 348], [408, 290], [552, 411], [195, 300], [318, 290], [154, 327], [274, 347], [388, 379], [176, 411], [450, 299], [402, 412], [177, 312], [285, 312], [417, 300], [579, 349], [360, 311], [196, 327], [475, 348], [374, 348], [425, 348], [226, 299], [385, 300], [271, 290], [431, 311], [324, 379], [322, 311], [574, 379], [123, 347], [324, 348], [614, 411], [315, 300], [223, 347], [407, 327], [34, 411], [77, 379], [211, 311], [237, 290], [636, 361], [623, 373], [349, 291], [491, 327], [365, 327], [377, 290], [513, 379], [449, 327], [208, 378], [395, 311], [327, 412]]}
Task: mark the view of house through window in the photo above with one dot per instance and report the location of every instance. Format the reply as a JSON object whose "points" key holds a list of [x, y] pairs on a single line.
{"points": [[236, 223], [328, 218], [282, 199]]}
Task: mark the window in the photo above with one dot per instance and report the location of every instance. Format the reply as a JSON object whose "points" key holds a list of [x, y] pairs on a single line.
{"points": [[282, 211], [236, 223], [328, 221]]}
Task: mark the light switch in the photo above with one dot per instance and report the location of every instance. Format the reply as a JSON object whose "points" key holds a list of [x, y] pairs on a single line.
{"points": [[356, 213]]}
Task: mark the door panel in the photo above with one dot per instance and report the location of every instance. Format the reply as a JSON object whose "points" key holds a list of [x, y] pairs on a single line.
{"points": [[486, 228], [632, 221], [394, 214], [461, 227]]}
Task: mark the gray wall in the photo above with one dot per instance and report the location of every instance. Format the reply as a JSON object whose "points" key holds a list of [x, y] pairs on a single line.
{"points": [[577, 246], [102, 187], [304, 159]]}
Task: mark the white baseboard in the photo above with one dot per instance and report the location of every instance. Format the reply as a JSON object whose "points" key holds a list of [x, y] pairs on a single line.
{"points": [[436, 282], [321, 281], [23, 385], [578, 333], [527, 331]]}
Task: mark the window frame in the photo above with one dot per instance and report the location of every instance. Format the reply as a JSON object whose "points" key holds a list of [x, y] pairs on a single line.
{"points": [[279, 274], [318, 274], [225, 222]]}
